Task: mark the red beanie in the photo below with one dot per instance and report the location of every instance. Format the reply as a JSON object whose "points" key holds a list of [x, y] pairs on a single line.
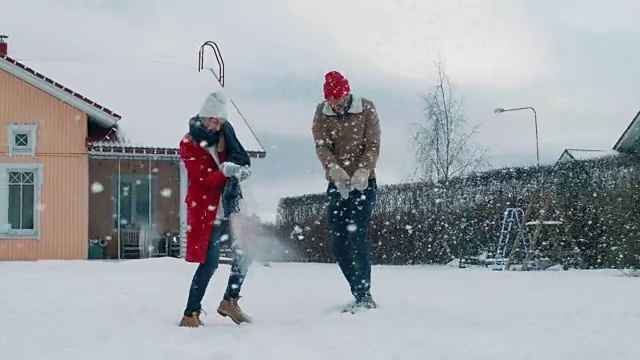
{"points": [[335, 85]]}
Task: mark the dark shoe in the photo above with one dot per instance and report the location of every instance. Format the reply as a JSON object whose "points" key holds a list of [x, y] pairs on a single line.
{"points": [[231, 309], [362, 303], [349, 307], [366, 302]]}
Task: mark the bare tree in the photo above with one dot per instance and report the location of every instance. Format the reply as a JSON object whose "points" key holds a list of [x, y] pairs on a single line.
{"points": [[442, 141]]}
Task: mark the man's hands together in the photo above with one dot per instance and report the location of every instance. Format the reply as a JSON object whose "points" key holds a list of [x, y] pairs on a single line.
{"points": [[345, 183], [360, 179]]}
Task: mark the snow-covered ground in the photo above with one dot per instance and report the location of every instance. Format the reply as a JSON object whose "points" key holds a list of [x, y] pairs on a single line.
{"points": [[129, 310]]}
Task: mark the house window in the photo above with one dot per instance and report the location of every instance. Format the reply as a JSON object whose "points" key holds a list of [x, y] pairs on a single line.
{"points": [[135, 200], [22, 139], [20, 187]]}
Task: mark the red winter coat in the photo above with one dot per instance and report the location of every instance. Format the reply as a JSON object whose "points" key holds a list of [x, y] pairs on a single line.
{"points": [[205, 184]]}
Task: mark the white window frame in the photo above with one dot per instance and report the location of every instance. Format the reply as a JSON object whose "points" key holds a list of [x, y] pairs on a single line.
{"points": [[31, 130], [6, 233]]}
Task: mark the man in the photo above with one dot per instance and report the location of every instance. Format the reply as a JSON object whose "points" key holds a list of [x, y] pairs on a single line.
{"points": [[346, 131], [215, 162]]}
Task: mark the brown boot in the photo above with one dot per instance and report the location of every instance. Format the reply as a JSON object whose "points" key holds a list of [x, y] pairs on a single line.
{"points": [[192, 321], [231, 309]]}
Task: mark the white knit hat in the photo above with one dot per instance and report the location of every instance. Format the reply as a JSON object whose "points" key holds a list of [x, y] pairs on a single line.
{"points": [[215, 105]]}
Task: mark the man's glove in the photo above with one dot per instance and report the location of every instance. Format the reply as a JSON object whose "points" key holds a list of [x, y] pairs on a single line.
{"points": [[343, 189], [341, 179], [360, 179]]}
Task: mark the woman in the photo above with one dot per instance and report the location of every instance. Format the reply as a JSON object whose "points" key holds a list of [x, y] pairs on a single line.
{"points": [[215, 162]]}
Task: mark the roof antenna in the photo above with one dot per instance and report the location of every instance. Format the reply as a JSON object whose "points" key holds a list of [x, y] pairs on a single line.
{"points": [[216, 52], [220, 78]]}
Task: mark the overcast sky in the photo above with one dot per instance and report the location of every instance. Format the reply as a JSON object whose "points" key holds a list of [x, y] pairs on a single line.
{"points": [[575, 61]]}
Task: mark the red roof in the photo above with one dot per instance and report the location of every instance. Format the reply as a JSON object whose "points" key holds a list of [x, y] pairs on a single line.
{"points": [[60, 86]]}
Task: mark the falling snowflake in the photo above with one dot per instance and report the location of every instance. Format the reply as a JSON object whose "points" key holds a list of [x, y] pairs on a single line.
{"points": [[96, 188], [409, 228], [166, 192], [352, 228]]}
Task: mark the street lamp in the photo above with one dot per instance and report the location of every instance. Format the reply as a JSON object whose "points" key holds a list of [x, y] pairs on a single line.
{"points": [[535, 120]]}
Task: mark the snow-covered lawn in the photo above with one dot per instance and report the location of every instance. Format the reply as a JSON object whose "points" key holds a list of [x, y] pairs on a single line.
{"points": [[129, 310]]}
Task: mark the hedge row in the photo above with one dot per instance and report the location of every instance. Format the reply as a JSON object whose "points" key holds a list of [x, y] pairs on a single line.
{"points": [[596, 200]]}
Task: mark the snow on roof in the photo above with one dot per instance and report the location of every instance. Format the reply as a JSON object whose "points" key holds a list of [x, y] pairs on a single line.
{"points": [[585, 154], [101, 113], [155, 99]]}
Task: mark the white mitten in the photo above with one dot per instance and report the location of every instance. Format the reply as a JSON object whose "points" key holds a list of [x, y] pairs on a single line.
{"points": [[243, 173], [341, 179], [338, 175], [229, 169], [360, 179], [343, 189]]}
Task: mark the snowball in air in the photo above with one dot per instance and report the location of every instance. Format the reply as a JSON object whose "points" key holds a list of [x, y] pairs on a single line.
{"points": [[96, 187]]}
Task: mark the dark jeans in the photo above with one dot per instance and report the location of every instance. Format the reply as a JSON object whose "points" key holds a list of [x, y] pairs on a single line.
{"points": [[239, 265], [348, 224]]}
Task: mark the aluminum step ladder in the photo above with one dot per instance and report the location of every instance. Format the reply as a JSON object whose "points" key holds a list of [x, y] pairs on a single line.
{"points": [[513, 219]]}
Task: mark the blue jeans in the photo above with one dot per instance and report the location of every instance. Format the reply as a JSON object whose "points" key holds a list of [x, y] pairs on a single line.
{"points": [[239, 265], [348, 225]]}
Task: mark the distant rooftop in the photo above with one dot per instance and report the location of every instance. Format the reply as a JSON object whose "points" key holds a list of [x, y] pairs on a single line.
{"points": [[155, 99], [629, 141], [585, 154]]}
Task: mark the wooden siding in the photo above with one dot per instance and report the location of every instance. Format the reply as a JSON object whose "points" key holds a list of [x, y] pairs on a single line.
{"points": [[61, 149], [165, 204]]}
